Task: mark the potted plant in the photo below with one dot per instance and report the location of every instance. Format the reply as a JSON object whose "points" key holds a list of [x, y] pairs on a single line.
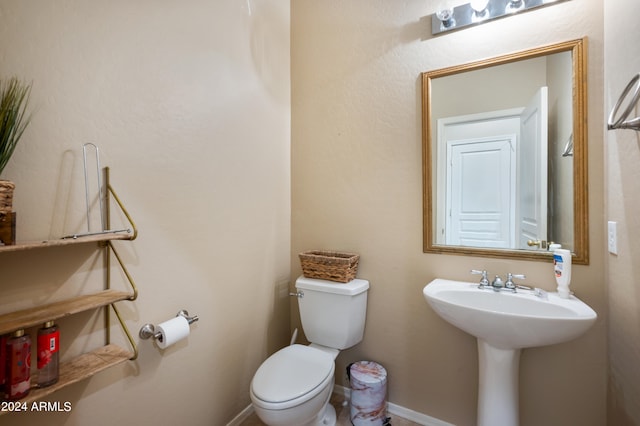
{"points": [[14, 98]]}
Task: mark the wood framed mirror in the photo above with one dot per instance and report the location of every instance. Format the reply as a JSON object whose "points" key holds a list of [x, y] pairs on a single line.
{"points": [[505, 155]]}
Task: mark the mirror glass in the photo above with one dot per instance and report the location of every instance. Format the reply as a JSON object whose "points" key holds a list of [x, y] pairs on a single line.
{"points": [[504, 155]]}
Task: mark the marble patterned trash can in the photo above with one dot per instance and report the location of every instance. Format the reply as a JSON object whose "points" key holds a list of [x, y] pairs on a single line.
{"points": [[368, 393]]}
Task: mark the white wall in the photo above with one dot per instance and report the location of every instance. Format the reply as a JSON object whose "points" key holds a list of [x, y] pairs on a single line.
{"points": [[189, 104]]}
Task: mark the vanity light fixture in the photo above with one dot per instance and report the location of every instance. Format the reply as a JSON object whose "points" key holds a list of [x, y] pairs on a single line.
{"points": [[479, 11]]}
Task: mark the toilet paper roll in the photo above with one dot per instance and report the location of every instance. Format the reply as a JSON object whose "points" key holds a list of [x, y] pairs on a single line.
{"points": [[172, 331]]}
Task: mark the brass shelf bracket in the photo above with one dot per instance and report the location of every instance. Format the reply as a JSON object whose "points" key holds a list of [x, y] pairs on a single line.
{"points": [[111, 191], [110, 248], [132, 342]]}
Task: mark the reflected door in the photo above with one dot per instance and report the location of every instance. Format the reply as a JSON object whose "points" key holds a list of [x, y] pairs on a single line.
{"points": [[532, 171], [481, 200]]}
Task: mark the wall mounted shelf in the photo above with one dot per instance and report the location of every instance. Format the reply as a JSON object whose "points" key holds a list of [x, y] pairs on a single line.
{"points": [[80, 368], [87, 364], [34, 245], [38, 315]]}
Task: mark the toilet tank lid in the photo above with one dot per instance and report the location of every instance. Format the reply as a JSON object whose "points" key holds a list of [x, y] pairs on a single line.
{"points": [[351, 288]]}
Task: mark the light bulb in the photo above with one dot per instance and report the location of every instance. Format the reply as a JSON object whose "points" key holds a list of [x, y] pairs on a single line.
{"points": [[514, 6], [445, 15], [444, 12], [479, 5]]}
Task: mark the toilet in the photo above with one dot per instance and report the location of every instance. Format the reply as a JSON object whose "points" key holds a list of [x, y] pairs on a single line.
{"points": [[294, 385]]}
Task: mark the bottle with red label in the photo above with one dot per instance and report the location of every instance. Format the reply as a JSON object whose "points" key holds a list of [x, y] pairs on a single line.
{"points": [[18, 368], [47, 350], [3, 365]]}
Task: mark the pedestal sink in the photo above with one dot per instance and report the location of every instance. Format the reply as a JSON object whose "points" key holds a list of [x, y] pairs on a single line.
{"points": [[504, 323]]}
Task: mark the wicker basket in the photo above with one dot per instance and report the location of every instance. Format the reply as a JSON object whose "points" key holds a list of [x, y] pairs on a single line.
{"points": [[6, 196], [329, 265]]}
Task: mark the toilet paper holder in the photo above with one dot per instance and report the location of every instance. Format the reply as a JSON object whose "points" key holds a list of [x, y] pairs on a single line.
{"points": [[148, 330]]}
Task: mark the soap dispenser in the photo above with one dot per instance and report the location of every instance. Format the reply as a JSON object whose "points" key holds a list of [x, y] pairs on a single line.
{"points": [[562, 269]]}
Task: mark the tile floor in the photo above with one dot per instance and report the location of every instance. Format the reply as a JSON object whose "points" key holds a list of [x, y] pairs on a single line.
{"points": [[342, 411]]}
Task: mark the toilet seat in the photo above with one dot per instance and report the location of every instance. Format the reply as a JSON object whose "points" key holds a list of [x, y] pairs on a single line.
{"points": [[292, 376]]}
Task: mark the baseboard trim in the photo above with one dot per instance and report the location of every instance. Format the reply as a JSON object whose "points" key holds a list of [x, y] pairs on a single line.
{"points": [[400, 411], [394, 409], [237, 420]]}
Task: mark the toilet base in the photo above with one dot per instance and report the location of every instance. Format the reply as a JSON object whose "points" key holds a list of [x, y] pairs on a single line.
{"points": [[328, 416], [326, 413]]}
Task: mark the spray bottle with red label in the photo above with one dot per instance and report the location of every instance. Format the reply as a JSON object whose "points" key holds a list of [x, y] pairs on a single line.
{"points": [[48, 347], [18, 372]]}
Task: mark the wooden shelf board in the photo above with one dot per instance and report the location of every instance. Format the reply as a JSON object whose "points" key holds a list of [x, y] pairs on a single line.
{"points": [[35, 316], [31, 245], [79, 368]]}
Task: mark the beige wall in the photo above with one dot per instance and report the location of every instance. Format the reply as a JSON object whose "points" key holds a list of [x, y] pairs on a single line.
{"points": [[135, 77], [622, 149], [356, 185], [189, 103], [473, 92]]}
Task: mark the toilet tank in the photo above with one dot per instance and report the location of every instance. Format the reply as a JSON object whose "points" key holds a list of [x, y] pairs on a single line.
{"points": [[333, 314]]}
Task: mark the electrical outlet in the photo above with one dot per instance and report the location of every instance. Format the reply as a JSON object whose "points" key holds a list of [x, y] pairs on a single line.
{"points": [[612, 237]]}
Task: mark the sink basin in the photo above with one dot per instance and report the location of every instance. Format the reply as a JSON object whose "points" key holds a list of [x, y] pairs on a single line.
{"points": [[509, 320], [504, 323]]}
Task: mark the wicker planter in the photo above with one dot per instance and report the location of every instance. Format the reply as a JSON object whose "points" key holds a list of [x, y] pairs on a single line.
{"points": [[329, 265], [6, 196], [7, 217]]}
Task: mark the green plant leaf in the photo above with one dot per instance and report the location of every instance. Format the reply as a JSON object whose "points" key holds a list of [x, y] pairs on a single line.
{"points": [[14, 99]]}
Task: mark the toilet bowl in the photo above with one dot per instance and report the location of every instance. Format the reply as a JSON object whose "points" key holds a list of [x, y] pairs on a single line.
{"points": [[293, 387]]}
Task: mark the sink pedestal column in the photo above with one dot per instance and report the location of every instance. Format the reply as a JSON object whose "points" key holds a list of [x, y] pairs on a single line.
{"points": [[498, 385]]}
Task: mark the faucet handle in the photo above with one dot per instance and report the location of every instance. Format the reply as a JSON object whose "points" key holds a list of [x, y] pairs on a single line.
{"points": [[510, 284], [484, 281]]}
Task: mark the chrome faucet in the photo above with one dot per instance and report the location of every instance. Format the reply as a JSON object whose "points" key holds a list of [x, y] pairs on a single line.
{"points": [[510, 285], [497, 283], [484, 281]]}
